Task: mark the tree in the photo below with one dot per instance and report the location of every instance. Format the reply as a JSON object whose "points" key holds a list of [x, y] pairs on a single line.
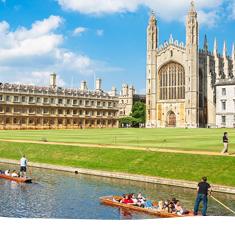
{"points": [[126, 120], [138, 112]]}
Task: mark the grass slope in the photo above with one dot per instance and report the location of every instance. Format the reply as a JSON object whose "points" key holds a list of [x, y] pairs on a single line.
{"points": [[218, 169]]}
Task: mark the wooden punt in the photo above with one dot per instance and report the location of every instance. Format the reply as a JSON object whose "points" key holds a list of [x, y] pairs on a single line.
{"points": [[109, 200], [19, 179]]}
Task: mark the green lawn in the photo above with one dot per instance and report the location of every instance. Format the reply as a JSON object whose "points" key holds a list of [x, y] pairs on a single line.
{"points": [[218, 169], [185, 139]]}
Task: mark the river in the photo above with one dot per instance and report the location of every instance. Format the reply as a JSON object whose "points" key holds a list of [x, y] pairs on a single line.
{"points": [[58, 194]]}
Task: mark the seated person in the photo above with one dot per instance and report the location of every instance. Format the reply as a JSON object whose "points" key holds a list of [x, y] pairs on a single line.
{"points": [[140, 198], [0, 171], [14, 174], [174, 200], [179, 210], [166, 204], [134, 199], [123, 198], [171, 207], [160, 206], [128, 199], [7, 172]]}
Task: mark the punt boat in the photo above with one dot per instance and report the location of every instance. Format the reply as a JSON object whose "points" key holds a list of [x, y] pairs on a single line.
{"points": [[19, 179], [111, 201]]}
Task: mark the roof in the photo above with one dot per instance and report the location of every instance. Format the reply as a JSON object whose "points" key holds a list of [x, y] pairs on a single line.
{"points": [[51, 89], [224, 82]]}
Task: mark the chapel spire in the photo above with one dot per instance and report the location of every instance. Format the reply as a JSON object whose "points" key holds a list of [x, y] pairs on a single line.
{"points": [[224, 50], [233, 52], [152, 19], [215, 48], [233, 57], [205, 43]]}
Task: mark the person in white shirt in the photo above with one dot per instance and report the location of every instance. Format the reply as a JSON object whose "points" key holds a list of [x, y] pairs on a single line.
{"points": [[7, 172], [14, 174], [23, 162]]}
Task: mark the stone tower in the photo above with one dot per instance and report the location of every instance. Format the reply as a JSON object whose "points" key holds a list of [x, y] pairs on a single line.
{"points": [[192, 70], [151, 86]]}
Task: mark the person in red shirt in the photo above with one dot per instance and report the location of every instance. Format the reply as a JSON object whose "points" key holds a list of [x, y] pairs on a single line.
{"points": [[128, 199]]}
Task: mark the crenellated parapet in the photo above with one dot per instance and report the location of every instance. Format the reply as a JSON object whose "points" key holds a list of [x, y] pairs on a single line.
{"points": [[170, 44]]}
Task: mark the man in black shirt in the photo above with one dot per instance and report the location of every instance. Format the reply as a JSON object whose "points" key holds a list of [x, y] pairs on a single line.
{"points": [[225, 141], [202, 190]]}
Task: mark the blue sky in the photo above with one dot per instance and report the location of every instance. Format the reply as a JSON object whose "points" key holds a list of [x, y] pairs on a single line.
{"points": [[102, 38]]}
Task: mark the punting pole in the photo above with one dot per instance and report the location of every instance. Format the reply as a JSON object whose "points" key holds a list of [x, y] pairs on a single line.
{"points": [[222, 204], [27, 166]]}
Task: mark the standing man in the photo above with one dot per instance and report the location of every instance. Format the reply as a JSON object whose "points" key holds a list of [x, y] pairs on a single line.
{"points": [[202, 190], [23, 162], [225, 141]]}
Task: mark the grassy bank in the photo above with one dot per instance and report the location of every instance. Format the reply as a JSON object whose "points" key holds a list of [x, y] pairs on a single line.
{"points": [[218, 169], [185, 139]]}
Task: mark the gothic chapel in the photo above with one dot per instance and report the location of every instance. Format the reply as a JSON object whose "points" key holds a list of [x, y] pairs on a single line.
{"points": [[180, 81]]}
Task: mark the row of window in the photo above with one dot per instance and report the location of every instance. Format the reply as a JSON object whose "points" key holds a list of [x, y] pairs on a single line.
{"points": [[60, 121], [224, 92], [172, 93], [59, 111], [172, 82], [60, 101]]}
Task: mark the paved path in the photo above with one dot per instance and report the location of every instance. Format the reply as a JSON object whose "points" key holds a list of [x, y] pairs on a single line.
{"points": [[118, 147]]}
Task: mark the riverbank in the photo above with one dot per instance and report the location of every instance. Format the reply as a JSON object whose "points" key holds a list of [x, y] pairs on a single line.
{"points": [[178, 166], [118, 175]]}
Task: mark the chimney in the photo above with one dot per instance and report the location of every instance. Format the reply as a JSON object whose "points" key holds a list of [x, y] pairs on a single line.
{"points": [[53, 80], [98, 84], [83, 86], [125, 90], [114, 91], [131, 91]]}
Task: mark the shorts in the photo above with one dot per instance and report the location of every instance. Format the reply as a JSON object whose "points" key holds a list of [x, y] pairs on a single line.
{"points": [[23, 168]]}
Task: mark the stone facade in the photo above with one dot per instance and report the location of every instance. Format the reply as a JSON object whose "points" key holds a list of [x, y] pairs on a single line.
{"points": [[52, 107], [180, 80], [127, 99]]}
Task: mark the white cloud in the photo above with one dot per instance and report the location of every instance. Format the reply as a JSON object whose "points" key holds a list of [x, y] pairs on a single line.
{"points": [[17, 7], [231, 8], [100, 32], [39, 40], [168, 10], [28, 55], [78, 31], [209, 19]]}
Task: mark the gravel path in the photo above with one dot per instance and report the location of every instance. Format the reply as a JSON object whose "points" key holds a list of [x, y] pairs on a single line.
{"points": [[118, 147]]}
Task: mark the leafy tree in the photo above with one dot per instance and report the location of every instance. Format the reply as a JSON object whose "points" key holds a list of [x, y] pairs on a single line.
{"points": [[138, 112], [126, 120]]}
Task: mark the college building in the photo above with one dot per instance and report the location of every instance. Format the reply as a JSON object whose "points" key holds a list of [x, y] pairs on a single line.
{"points": [[225, 102], [51, 107], [127, 99], [181, 79]]}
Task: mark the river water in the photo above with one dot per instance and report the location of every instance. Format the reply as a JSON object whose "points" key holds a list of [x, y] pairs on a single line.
{"points": [[58, 194]]}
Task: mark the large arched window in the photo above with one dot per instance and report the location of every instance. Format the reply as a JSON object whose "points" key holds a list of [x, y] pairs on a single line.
{"points": [[171, 81]]}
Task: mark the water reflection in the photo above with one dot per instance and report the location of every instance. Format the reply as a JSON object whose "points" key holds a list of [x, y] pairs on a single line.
{"points": [[67, 195]]}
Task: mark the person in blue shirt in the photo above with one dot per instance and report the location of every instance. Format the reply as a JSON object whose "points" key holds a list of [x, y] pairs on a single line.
{"points": [[225, 141], [23, 162]]}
